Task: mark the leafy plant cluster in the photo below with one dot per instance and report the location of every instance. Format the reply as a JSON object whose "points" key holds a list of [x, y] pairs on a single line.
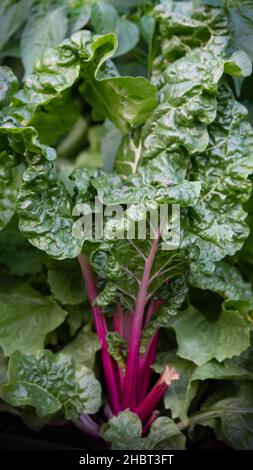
{"points": [[143, 103]]}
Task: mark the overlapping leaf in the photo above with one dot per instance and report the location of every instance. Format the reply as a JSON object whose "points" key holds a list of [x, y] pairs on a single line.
{"points": [[124, 432], [49, 382]]}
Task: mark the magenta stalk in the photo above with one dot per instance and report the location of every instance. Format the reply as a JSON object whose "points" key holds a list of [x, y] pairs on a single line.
{"points": [[132, 368], [144, 410], [101, 329]]}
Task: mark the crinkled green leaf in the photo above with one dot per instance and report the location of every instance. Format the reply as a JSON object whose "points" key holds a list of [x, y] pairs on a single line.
{"points": [[225, 281], [26, 318], [49, 383], [117, 348], [125, 100], [201, 339], [107, 295], [219, 219], [22, 140], [124, 432], [83, 348], [8, 85], [188, 90], [9, 183], [186, 26], [45, 212]]}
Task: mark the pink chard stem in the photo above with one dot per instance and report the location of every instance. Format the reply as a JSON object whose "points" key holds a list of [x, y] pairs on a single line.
{"points": [[145, 409], [132, 368], [101, 329], [145, 366]]}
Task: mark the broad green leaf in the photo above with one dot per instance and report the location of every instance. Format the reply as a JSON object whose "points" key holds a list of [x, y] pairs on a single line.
{"points": [[105, 19], [124, 432], [49, 383], [201, 339], [128, 36], [9, 184], [26, 318], [12, 16], [45, 212], [66, 282], [235, 415], [79, 14], [42, 32], [240, 20], [83, 348]]}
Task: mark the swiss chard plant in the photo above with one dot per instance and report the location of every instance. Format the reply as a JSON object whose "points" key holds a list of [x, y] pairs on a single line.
{"points": [[132, 322]]}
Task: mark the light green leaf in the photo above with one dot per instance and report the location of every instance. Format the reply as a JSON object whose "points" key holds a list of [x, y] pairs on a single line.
{"points": [[105, 19], [42, 32], [49, 383], [200, 340], [26, 318], [238, 65], [66, 282], [124, 432], [240, 20], [83, 348], [12, 16]]}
